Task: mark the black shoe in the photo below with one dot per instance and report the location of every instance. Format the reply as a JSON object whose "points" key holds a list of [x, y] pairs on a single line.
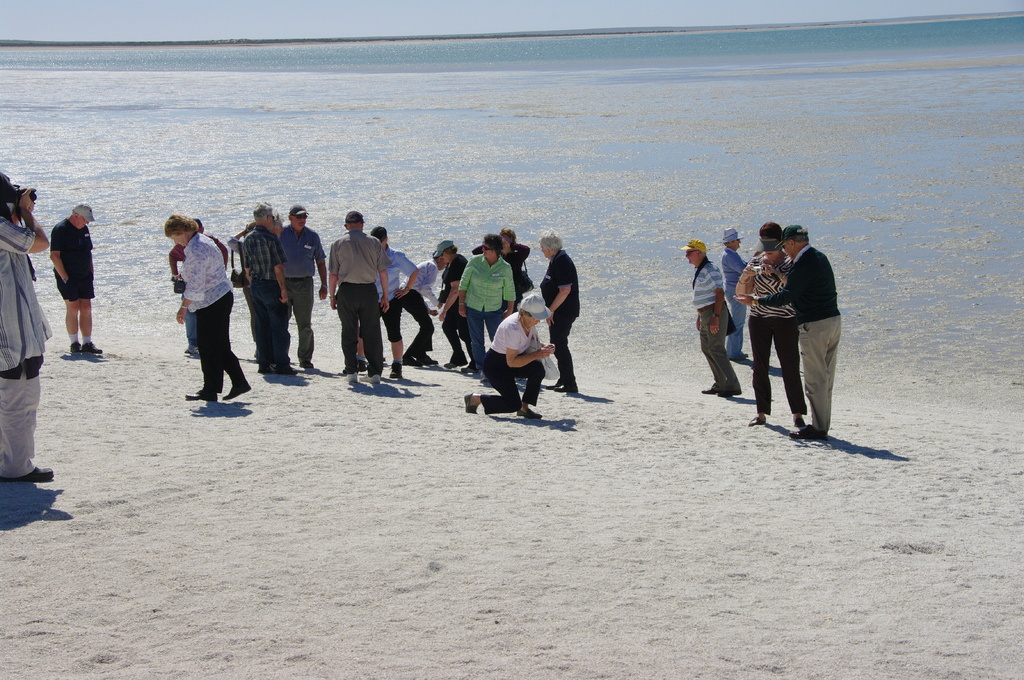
{"points": [[469, 369], [306, 364], [265, 369], [798, 422], [361, 366], [396, 372], [528, 413], [237, 390], [89, 348], [201, 396], [455, 363], [286, 370], [809, 432], [411, 361], [711, 390], [738, 358], [37, 476], [76, 347], [567, 389], [730, 393], [469, 407], [427, 361], [757, 420]]}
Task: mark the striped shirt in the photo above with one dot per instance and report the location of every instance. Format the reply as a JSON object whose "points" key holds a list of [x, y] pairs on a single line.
{"points": [[487, 286], [766, 284], [203, 272], [705, 284], [23, 326]]}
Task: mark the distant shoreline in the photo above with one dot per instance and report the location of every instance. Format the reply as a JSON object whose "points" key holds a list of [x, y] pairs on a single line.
{"points": [[533, 35]]}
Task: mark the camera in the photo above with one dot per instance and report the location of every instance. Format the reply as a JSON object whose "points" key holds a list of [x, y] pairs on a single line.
{"points": [[21, 190]]}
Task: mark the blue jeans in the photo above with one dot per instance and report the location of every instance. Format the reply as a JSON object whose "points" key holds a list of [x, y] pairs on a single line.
{"points": [[477, 321], [272, 338], [738, 312], [191, 334]]}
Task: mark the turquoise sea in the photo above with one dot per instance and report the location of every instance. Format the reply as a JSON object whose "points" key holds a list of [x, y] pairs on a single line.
{"points": [[899, 146]]}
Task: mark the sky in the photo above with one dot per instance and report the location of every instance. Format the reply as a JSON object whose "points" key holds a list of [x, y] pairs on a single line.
{"points": [[156, 20]]}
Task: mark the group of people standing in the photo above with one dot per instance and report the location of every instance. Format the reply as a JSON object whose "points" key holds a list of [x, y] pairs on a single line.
{"points": [[790, 290], [367, 281]]}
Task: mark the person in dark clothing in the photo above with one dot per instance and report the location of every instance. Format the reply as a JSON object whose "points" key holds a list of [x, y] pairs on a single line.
{"points": [[454, 326], [561, 290]]}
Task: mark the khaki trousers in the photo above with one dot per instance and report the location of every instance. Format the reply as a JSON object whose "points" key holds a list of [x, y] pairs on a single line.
{"points": [[819, 350], [713, 347]]}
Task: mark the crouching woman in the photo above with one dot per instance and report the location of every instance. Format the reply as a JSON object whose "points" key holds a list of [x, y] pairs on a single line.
{"points": [[510, 357]]}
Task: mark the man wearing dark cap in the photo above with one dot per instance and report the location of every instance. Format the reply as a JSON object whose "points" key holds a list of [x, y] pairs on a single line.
{"points": [[811, 289], [356, 261], [71, 254], [454, 325], [305, 255]]}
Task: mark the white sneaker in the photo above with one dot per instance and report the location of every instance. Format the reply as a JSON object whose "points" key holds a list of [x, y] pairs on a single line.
{"points": [[375, 379], [352, 377]]}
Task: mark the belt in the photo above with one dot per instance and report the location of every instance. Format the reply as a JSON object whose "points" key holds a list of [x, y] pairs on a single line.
{"points": [[706, 307], [298, 278]]}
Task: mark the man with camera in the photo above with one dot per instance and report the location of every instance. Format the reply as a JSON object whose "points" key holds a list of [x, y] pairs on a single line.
{"points": [[23, 335], [71, 254]]}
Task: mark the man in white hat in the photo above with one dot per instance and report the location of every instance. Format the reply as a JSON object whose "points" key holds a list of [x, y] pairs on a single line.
{"points": [[732, 267], [71, 254]]}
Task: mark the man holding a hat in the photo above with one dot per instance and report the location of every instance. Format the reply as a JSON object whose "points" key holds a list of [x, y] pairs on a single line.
{"points": [[71, 254], [712, 319], [811, 289], [305, 256], [732, 267]]}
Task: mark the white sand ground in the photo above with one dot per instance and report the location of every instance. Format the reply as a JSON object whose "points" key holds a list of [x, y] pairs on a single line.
{"points": [[641, 530]]}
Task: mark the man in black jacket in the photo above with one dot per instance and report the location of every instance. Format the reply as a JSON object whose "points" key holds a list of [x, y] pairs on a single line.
{"points": [[811, 289]]}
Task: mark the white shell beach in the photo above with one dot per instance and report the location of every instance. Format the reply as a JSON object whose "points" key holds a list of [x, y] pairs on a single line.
{"points": [[314, 529]]}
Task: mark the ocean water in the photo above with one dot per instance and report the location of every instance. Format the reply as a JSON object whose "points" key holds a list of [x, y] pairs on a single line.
{"points": [[899, 147]]}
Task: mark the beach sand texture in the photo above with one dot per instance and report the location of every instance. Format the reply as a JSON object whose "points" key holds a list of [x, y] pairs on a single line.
{"points": [[641, 530]]}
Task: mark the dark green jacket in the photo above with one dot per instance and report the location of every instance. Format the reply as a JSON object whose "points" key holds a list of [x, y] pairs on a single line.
{"points": [[810, 288]]}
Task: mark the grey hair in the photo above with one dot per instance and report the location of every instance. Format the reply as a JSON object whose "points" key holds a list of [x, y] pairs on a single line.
{"points": [[262, 211], [549, 240]]}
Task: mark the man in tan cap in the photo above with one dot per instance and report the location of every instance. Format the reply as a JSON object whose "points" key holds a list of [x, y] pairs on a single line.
{"points": [[712, 318], [71, 254]]}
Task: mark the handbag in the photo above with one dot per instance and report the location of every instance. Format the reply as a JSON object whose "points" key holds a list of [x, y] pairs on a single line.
{"points": [[525, 284], [179, 286], [551, 371], [238, 278]]}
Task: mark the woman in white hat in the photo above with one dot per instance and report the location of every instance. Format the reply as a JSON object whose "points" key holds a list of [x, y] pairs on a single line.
{"points": [[511, 357]]}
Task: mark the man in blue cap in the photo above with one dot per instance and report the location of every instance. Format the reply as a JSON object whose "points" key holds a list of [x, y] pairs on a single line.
{"points": [[811, 289]]}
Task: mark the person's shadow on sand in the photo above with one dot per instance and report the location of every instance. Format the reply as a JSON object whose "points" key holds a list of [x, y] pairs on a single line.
{"points": [[222, 409], [563, 425], [22, 504], [842, 445]]}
